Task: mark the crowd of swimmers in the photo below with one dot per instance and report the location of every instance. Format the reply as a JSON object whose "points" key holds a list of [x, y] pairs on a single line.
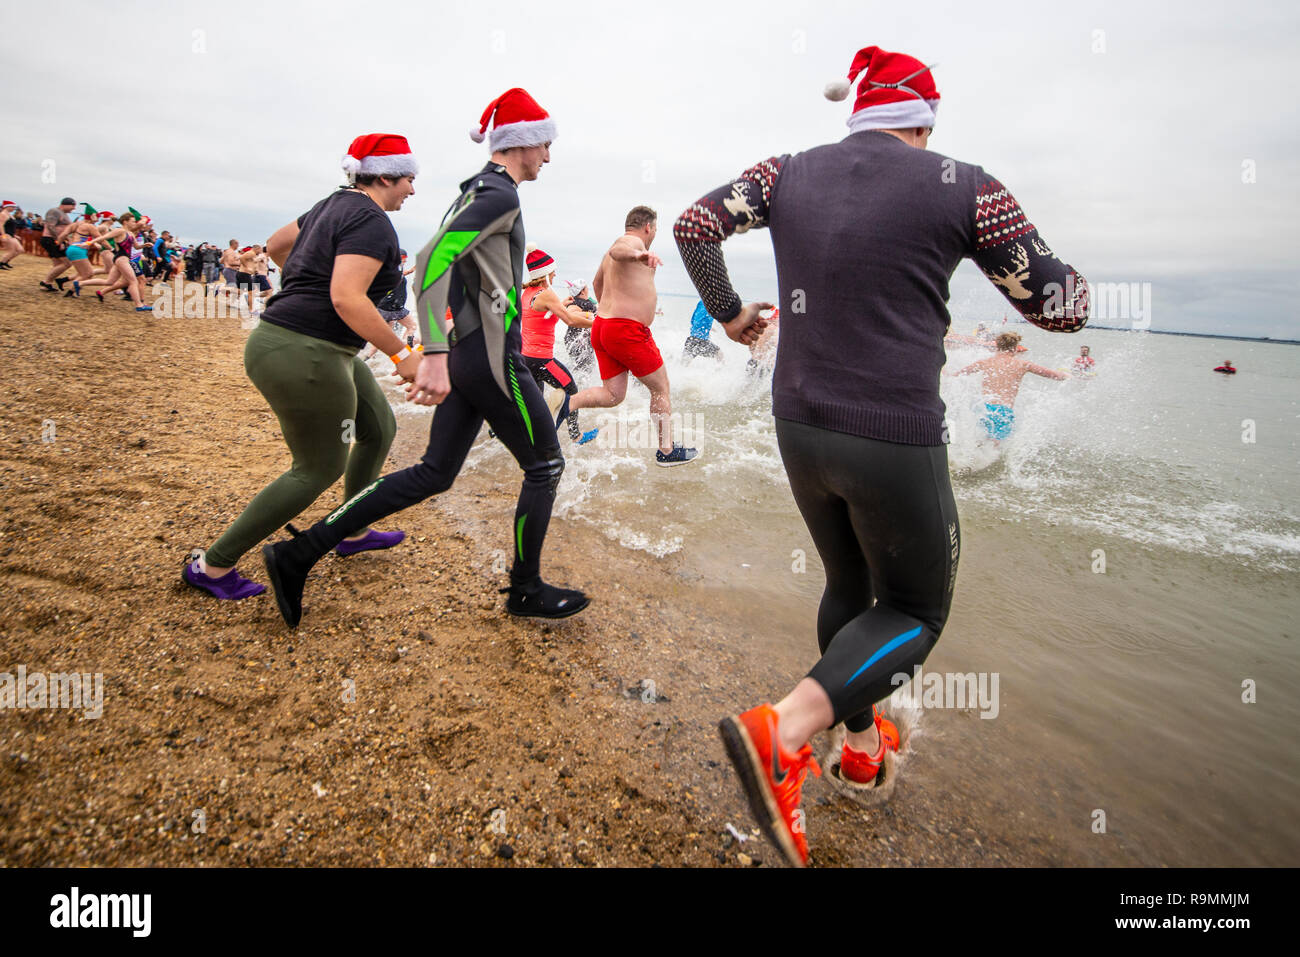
{"points": [[124, 253]]}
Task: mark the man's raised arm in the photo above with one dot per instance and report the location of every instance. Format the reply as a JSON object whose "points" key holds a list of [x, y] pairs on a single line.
{"points": [[733, 208], [1011, 254]]}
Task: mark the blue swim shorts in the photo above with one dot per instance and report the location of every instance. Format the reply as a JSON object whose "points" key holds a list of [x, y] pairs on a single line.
{"points": [[998, 420]]}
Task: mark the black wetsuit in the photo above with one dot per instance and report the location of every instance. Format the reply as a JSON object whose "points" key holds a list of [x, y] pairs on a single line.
{"points": [[475, 266], [867, 233]]}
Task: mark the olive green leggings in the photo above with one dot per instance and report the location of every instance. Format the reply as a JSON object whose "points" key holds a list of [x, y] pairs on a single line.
{"points": [[325, 398]]}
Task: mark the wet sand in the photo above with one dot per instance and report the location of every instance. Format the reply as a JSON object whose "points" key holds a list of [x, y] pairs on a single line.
{"points": [[473, 738]]}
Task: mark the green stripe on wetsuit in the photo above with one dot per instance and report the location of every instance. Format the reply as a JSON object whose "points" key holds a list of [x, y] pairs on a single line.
{"points": [[451, 245], [519, 401]]}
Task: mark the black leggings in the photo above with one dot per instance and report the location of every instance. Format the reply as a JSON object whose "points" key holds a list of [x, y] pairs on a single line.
{"points": [[551, 372], [884, 522], [528, 432]]}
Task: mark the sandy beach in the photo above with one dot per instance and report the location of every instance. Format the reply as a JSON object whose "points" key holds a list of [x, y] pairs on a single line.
{"points": [[225, 739]]}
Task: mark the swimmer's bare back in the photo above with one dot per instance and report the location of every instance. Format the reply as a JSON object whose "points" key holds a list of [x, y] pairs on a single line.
{"points": [[1003, 374], [625, 283]]}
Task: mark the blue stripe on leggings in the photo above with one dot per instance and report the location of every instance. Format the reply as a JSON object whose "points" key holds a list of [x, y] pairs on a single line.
{"points": [[893, 643]]}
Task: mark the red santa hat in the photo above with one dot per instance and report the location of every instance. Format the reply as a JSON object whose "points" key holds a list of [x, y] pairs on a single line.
{"points": [[7, 203], [105, 214], [380, 154], [539, 264], [516, 120], [896, 91]]}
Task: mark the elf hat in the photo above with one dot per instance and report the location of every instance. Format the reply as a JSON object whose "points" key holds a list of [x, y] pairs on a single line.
{"points": [[896, 91], [91, 211], [516, 120], [380, 154], [539, 264]]}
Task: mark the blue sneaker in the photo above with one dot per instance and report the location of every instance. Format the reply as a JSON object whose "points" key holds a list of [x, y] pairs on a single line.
{"points": [[678, 456], [588, 436]]}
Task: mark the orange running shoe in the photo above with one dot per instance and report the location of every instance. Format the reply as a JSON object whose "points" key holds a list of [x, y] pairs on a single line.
{"points": [[861, 767], [772, 778]]}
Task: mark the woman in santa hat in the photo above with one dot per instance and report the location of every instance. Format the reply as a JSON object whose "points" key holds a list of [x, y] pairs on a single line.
{"points": [[337, 261], [473, 370]]}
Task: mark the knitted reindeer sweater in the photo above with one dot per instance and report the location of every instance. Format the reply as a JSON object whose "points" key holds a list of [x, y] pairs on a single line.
{"points": [[867, 233]]}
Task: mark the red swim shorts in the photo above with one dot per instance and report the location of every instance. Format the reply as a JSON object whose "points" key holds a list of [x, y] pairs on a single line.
{"points": [[624, 345]]}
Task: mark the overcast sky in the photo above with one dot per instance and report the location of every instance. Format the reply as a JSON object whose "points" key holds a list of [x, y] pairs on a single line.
{"points": [[1124, 129]]}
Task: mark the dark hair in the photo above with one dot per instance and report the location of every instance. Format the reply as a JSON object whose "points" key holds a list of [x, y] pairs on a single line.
{"points": [[369, 179], [640, 216]]}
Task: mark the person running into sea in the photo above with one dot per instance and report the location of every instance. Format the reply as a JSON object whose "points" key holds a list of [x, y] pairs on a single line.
{"points": [[124, 272], [473, 266], [58, 224], [697, 340], [105, 222], [1084, 363], [620, 334], [542, 308], [393, 308], [82, 245], [762, 353], [577, 339], [163, 248], [11, 216], [338, 260], [229, 272], [867, 233], [1227, 368], [1002, 374]]}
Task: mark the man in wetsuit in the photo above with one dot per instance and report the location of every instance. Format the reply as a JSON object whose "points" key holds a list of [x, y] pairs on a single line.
{"points": [[867, 233], [1002, 374], [473, 370]]}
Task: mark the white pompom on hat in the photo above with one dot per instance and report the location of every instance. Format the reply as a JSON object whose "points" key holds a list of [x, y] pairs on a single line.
{"points": [[379, 154], [895, 91], [516, 120]]}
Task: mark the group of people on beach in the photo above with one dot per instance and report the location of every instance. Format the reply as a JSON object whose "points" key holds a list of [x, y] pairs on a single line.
{"points": [[125, 253], [102, 249], [855, 396]]}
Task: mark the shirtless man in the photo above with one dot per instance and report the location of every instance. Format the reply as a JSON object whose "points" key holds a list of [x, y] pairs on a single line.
{"points": [[229, 266], [620, 335], [261, 270], [1002, 375], [244, 275]]}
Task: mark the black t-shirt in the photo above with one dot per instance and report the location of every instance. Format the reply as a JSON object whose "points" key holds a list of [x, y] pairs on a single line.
{"points": [[343, 223]]}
